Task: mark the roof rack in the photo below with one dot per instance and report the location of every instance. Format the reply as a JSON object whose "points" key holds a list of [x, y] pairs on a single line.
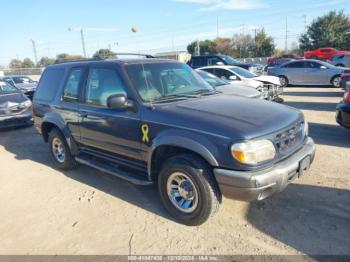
{"points": [[61, 61], [135, 54]]}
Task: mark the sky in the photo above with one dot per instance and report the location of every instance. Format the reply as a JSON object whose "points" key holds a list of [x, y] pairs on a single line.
{"points": [[162, 25]]}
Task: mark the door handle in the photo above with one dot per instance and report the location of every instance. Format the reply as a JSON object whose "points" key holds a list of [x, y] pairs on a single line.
{"points": [[83, 114]]}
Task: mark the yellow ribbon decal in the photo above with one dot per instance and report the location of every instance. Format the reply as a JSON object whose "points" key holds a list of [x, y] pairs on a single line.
{"points": [[145, 130]]}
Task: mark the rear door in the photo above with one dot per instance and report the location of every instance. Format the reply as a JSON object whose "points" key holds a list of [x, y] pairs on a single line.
{"points": [[104, 129], [295, 72]]}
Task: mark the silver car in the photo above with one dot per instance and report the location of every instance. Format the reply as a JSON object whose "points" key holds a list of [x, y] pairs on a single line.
{"points": [[308, 72], [341, 60]]}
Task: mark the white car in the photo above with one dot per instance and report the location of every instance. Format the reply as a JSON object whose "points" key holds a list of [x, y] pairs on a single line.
{"points": [[239, 76]]}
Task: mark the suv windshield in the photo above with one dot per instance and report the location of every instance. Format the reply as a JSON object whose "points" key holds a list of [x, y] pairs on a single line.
{"points": [[229, 60], [22, 80], [212, 79], [6, 88], [243, 72], [161, 81]]}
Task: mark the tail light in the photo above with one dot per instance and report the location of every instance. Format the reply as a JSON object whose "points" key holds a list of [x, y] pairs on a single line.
{"points": [[347, 97]]}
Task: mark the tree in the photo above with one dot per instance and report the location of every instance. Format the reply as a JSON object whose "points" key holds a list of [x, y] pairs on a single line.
{"points": [[243, 45], [104, 54], [264, 45], [332, 29], [68, 57], [206, 47], [45, 61], [28, 63], [223, 46], [15, 63]]}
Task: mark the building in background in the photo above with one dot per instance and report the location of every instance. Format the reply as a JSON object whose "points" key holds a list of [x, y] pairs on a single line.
{"points": [[181, 56]]}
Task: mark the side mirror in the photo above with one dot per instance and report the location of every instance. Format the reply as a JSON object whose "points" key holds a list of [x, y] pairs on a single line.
{"points": [[233, 78], [119, 102], [220, 63]]}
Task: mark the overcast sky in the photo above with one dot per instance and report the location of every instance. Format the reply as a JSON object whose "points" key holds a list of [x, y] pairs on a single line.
{"points": [[162, 25]]}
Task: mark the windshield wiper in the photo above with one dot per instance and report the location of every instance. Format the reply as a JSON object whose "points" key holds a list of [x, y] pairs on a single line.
{"points": [[205, 92]]}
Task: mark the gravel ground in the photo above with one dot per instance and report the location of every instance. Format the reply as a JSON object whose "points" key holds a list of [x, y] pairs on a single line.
{"points": [[47, 211]]}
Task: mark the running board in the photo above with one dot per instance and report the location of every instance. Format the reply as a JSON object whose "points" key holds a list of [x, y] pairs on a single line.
{"points": [[92, 162]]}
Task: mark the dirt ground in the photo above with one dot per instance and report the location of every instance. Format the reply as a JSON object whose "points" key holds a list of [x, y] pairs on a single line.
{"points": [[46, 211]]}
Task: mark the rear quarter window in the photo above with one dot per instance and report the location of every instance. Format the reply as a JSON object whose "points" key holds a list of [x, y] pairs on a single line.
{"points": [[49, 84]]}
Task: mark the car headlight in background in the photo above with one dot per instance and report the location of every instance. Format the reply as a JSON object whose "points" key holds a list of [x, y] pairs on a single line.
{"points": [[26, 104], [306, 128], [253, 152], [253, 69]]}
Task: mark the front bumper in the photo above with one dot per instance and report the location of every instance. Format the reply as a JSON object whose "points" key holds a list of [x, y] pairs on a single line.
{"points": [[343, 115], [258, 185], [23, 119]]}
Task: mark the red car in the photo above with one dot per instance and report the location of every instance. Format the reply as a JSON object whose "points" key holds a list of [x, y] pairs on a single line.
{"points": [[324, 53], [345, 83]]}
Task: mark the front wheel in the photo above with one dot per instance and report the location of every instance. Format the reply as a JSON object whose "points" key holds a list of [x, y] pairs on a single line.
{"points": [[336, 81], [284, 81], [188, 190]]}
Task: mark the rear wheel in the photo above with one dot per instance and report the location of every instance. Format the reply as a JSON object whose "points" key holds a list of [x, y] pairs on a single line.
{"points": [[60, 152], [188, 190], [336, 81], [284, 81]]}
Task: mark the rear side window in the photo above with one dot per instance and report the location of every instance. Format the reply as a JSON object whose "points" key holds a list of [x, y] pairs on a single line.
{"points": [[199, 61], [71, 89], [295, 65], [49, 84]]}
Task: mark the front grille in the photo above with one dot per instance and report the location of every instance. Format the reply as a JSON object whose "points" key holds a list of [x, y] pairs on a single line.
{"points": [[291, 139]]}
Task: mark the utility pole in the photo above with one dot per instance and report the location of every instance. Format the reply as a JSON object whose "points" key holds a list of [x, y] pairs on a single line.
{"points": [[83, 41], [217, 26], [34, 50], [286, 47], [198, 49]]}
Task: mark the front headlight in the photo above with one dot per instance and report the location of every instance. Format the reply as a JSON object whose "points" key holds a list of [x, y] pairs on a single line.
{"points": [[253, 152], [26, 104]]}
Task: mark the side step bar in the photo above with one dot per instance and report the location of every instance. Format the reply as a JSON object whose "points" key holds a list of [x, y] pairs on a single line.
{"points": [[92, 162]]}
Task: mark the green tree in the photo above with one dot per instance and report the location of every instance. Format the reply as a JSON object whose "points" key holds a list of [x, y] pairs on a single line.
{"points": [[206, 47], [15, 63], [68, 57], [45, 61], [104, 54], [243, 45], [28, 63], [264, 45], [332, 29]]}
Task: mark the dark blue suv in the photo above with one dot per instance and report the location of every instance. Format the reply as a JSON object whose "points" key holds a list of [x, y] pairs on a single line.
{"points": [[157, 121]]}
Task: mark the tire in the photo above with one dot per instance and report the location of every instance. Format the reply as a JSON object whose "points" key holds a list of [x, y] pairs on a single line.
{"points": [[284, 81], [192, 180], [60, 152], [336, 81]]}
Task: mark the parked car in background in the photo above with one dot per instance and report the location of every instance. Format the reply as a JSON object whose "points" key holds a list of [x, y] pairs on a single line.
{"points": [[279, 59], [157, 121], [270, 86], [23, 83], [343, 111], [213, 60], [308, 72], [341, 60], [227, 88], [278, 62], [345, 81], [324, 53], [15, 107]]}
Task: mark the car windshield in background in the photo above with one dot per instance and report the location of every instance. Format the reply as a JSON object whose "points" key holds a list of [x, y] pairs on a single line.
{"points": [[212, 79], [22, 80], [6, 88], [243, 72], [161, 81], [229, 60]]}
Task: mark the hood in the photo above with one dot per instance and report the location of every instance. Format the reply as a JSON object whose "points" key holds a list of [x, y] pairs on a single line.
{"points": [[14, 98], [232, 117], [268, 79], [245, 91]]}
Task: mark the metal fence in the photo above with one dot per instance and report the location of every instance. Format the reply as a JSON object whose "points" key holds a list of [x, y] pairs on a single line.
{"points": [[258, 60], [21, 71]]}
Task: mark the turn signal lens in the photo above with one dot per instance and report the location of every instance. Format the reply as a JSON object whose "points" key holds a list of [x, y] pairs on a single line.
{"points": [[253, 152]]}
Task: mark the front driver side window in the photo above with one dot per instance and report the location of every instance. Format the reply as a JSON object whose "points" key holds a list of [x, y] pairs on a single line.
{"points": [[223, 74], [103, 83]]}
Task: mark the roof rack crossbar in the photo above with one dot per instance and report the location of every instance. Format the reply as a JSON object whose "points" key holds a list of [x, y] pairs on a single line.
{"points": [[60, 61]]}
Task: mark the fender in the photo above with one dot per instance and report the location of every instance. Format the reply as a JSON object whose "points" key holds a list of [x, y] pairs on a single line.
{"points": [[204, 149], [56, 119]]}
